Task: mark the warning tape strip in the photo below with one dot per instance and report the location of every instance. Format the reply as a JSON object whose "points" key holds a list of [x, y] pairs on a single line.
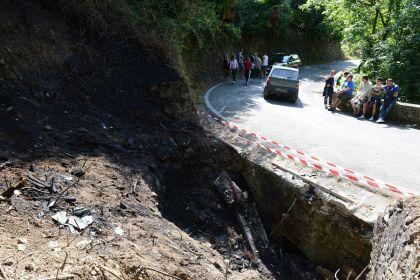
{"points": [[304, 159]]}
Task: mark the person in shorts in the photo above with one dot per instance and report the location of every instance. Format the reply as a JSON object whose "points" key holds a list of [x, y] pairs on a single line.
{"points": [[374, 101], [363, 93], [345, 93]]}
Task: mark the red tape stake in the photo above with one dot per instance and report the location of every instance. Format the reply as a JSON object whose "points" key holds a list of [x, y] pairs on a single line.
{"points": [[352, 178], [304, 162], [334, 172], [291, 157], [373, 184], [317, 166]]}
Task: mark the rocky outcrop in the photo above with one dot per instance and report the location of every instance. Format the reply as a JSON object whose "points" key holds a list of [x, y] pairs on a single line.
{"points": [[396, 242]]}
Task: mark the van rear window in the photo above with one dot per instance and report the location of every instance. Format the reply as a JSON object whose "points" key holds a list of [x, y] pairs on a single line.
{"points": [[284, 74]]}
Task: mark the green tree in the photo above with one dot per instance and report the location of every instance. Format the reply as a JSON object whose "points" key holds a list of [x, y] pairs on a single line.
{"points": [[385, 32]]}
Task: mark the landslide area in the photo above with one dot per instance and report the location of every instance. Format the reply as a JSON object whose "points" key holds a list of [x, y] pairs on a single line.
{"points": [[98, 179]]}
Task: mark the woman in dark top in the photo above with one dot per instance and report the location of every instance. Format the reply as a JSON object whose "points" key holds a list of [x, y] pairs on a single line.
{"points": [[329, 90], [226, 68]]}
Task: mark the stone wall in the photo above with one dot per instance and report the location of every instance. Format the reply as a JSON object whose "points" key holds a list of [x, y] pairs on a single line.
{"points": [[406, 113], [396, 242], [328, 219]]}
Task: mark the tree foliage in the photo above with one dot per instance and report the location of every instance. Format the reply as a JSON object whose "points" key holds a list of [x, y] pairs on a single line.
{"points": [[387, 32], [201, 21]]}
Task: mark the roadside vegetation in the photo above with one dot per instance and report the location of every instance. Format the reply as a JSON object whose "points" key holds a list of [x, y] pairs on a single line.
{"points": [[385, 33], [194, 34]]}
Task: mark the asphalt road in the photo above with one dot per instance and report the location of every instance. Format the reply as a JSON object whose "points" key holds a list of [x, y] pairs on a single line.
{"points": [[388, 152]]}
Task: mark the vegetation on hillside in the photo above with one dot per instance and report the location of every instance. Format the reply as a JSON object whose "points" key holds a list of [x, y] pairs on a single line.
{"points": [[200, 23], [386, 32]]}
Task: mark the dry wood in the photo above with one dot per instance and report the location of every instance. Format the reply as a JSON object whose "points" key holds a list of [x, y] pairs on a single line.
{"points": [[63, 277], [63, 265], [62, 193], [37, 182]]}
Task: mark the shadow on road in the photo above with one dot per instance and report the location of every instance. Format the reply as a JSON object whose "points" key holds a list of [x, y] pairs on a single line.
{"points": [[286, 103], [389, 124]]}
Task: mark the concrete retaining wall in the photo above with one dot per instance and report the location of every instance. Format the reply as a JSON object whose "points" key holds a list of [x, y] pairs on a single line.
{"points": [[406, 113], [330, 220]]}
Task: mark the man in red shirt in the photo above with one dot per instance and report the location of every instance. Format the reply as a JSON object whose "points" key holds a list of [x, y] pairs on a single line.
{"points": [[247, 67]]}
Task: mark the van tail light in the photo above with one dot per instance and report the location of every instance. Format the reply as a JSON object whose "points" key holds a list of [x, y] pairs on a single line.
{"points": [[268, 82], [297, 85]]}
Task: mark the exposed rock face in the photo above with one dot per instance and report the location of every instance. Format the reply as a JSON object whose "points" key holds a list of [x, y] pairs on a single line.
{"points": [[396, 242]]}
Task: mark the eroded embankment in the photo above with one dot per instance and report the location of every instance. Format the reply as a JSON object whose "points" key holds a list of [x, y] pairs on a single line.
{"points": [[97, 127]]}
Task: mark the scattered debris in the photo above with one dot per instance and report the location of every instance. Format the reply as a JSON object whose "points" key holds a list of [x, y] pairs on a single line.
{"points": [[245, 212], [22, 244], [118, 230], [80, 219], [11, 189]]}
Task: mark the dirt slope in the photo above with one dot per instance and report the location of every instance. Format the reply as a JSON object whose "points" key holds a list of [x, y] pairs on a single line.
{"points": [[85, 131]]}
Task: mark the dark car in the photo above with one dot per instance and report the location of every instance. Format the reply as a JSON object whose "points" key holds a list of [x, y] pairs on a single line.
{"points": [[291, 60], [282, 81], [275, 59]]}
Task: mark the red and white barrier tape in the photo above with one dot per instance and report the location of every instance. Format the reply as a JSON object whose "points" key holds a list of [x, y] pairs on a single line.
{"points": [[316, 163]]}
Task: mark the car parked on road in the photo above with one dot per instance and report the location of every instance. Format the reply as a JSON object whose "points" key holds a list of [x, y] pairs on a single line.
{"points": [[282, 81], [291, 60]]}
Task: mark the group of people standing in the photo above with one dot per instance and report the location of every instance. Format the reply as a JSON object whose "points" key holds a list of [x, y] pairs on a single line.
{"points": [[368, 97], [244, 68]]}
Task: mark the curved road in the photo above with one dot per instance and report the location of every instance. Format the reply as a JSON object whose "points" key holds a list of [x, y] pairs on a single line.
{"points": [[387, 152]]}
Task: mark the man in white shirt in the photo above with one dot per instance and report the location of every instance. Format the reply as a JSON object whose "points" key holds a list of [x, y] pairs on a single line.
{"points": [[363, 93], [264, 65]]}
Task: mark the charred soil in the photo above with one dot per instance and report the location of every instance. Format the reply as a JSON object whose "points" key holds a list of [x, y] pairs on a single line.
{"points": [[81, 135]]}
